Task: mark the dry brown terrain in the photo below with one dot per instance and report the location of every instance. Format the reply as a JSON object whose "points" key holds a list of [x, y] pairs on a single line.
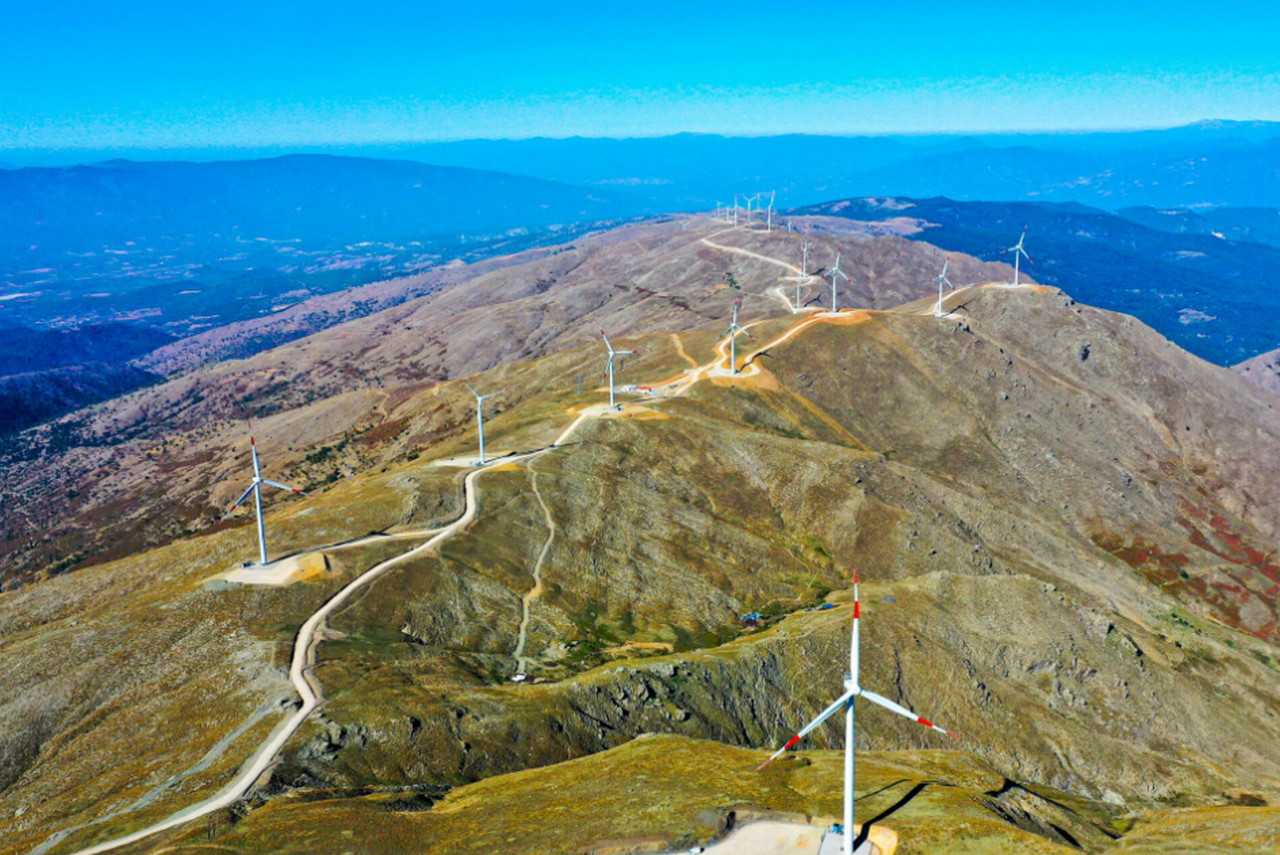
{"points": [[323, 402], [1067, 529], [1263, 369]]}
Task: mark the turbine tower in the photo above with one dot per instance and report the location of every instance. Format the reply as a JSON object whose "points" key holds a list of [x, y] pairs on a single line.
{"points": [[609, 370], [1018, 254], [256, 490], [480, 399], [853, 690], [750, 199], [732, 333], [835, 273], [769, 223], [942, 279], [804, 271], [735, 210]]}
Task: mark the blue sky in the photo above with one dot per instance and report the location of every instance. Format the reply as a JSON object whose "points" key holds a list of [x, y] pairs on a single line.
{"points": [[178, 74]]}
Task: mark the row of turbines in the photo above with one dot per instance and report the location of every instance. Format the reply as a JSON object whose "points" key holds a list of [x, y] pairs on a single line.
{"points": [[730, 215], [733, 331], [853, 688], [255, 486]]}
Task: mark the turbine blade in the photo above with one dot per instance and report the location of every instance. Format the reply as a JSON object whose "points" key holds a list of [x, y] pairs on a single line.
{"points": [[242, 498], [280, 486], [903, 711], [808, 728]]}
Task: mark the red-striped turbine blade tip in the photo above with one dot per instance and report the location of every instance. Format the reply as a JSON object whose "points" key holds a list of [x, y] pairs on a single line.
{"points": [[924, 721]]}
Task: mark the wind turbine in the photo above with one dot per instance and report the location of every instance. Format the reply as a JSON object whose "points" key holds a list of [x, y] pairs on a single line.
{"points": [[852, 689], [718, 205], [804, 271], [735, 210], [609, 370], [480, 399], [256, 489], [769, 222], [751, 199], [942, 279], [732, 333], [835, 273], [1018, 254]]}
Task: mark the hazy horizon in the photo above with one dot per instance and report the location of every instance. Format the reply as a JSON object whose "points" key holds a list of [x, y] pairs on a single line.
{"points": [[41, 157], [78, 77]]}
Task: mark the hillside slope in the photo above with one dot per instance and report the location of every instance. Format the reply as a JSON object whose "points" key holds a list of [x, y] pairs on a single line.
{"points": [[1263, 369], [1211, 296], [326, 390], [1066, 539]]}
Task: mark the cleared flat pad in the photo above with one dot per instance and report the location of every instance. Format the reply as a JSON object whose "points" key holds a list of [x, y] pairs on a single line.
{"points": [[771, 838], [283, 572], [832, 843]]}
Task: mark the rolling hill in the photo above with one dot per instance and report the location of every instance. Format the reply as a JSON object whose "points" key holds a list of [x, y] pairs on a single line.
{"points": [[1066, 538], [1212, 296], [336, 382]]}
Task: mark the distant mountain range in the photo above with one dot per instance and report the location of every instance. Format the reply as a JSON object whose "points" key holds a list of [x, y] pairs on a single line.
{"points": [[193, 245], [1213, 296], [300, 198], [1207, 163]]}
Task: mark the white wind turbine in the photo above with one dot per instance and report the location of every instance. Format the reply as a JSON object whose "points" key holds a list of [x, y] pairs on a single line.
{"points": [[609, 370], [480, 399], [750, 199], [1018, 254], [835, 273], [804, 271], [732, 333], [735, 210], [256, 490], [718, 205], [942, 279], [769, 222], [853, 689]]}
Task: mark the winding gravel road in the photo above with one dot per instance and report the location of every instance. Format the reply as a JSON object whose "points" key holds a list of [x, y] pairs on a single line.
{"points": [[309, 637]]}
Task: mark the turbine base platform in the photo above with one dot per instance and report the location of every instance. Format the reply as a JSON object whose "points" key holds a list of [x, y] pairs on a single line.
{"points": [[833, 844], [282, 571]]}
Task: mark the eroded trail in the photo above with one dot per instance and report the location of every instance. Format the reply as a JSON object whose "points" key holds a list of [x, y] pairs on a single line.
{"points": [[522, 663], [310, 635]]}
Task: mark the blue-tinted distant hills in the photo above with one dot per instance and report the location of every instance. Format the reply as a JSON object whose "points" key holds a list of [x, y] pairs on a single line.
{"points": [[1214, 297], [308, 198], [1208, 163], [191, 245], [1259, 225], [102, 263]]}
